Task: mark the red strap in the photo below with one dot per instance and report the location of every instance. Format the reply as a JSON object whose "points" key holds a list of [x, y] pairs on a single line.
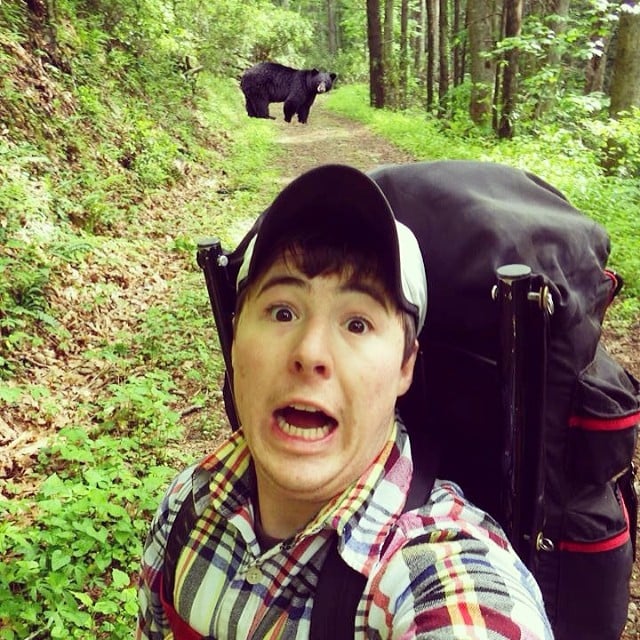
{"points": [[604, 424], [602, 545], [181, 630]]}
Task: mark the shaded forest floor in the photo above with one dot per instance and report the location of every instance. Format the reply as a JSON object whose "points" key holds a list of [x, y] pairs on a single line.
{"points": [[141, 279]]}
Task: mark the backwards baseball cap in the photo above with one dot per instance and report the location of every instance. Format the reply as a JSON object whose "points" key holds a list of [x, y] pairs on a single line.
{"points": [[336, 198]]}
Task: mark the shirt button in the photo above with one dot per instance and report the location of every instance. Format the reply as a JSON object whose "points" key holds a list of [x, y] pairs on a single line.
{"points": [[254, 575]]}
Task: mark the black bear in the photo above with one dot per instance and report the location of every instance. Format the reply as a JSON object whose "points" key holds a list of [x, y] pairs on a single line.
{"points": [[269, 82]]}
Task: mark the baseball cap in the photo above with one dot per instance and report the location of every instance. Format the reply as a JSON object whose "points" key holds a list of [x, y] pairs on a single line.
{"points": [[339, 197]]}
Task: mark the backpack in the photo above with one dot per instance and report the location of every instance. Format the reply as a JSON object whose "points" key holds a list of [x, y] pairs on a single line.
{"points": [[514, 398]]}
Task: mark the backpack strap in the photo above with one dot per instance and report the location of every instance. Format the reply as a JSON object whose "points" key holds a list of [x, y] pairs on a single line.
{"points": [[340, 587], [337, 595], [178, 536]]}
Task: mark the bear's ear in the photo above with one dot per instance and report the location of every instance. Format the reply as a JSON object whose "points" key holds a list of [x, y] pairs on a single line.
{"points": [[315, 71], [333, 76]]}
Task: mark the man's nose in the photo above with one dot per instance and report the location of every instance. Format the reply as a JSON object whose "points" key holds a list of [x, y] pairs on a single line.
{"points": [[311, 354]]}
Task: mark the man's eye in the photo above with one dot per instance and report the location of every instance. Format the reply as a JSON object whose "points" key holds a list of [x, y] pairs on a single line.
{"points": [[280, 313], [358, 325]]}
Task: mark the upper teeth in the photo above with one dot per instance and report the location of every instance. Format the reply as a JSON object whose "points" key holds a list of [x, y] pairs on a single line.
{"points": [[304, 407]]}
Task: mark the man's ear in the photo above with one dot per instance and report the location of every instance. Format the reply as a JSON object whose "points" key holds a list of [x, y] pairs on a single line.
{"points": [[406, 370]]}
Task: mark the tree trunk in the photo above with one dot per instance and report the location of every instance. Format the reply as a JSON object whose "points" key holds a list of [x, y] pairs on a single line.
{"points": [[483, 69], [403, 81], [432, 36], [596, 65], [625, 80], [419, 16], [458, 47], [332, 27], [376, 64], [558, 23], [390, 70], [443, 75], [513, 26]]}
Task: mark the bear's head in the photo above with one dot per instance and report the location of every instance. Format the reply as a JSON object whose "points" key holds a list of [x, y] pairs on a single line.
{"points": [[323, 81]]}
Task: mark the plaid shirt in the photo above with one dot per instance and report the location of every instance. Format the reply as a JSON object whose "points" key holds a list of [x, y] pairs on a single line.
{"points": [[443, 571]]}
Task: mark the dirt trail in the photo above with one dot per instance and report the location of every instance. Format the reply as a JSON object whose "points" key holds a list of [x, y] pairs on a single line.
{"points": [[329, 138]]}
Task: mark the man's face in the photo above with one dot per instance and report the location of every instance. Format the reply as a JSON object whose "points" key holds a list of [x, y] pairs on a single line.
{"points": [[317, 370]]}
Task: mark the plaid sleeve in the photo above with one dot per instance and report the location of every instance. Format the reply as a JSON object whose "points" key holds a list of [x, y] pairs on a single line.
{"points": [[459, 580], [152, 622]]}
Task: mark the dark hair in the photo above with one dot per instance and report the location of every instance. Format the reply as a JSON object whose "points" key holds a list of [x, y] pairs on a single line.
{"points": [[322, 253]]}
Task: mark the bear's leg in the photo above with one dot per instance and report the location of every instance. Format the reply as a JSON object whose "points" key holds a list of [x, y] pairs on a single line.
{"points": [[290, 108], [251, 110], [261, 106], [303, 110], [303, 113]]}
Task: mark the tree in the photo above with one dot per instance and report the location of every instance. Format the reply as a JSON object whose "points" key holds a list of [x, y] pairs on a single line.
{"points": [[481, 15], [419, 14], [432, 49], [376, 60], [512, 28], [443, 58], [596, 64], [458, 48], [625, 81], [332, 27], [404, 53], [390, 72], [557, 26]]}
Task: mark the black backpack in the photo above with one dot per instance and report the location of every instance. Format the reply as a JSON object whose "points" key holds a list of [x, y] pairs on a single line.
{"points": [[514, 397]]}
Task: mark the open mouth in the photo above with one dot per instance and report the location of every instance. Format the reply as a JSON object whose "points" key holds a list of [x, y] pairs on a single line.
{"points": [[308, 423]]}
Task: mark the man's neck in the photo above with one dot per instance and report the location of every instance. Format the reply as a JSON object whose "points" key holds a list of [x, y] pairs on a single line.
{"points": [[282, 518]]}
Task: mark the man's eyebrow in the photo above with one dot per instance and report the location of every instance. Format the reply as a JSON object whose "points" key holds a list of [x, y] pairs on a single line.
{"points": [[368, 289], [351, 285], [284, 280]]}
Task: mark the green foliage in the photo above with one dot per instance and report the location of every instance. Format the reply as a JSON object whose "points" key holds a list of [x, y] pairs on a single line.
{"points": [[140, 406], [617, 143], [412, 130], [71, 555], [24, 274], [12, 19], [232, 35], [73, 548]]}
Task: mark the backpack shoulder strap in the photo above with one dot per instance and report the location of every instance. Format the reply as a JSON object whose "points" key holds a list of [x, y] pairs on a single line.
{"points": [[340, 587], [336, 600], [182, 525]]}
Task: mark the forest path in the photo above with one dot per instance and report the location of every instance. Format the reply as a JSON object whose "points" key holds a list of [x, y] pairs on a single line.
{"points": [[330, 138]]}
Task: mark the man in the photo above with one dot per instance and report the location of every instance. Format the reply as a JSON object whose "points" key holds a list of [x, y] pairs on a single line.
{"points": [[331, 296]]}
